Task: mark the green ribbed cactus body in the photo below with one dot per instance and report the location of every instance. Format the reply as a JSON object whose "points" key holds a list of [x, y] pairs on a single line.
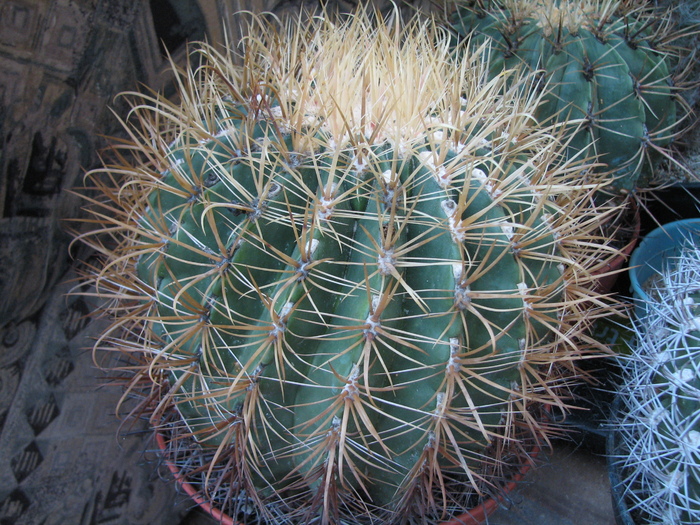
{"points": [[604, 71], [325, 292]]}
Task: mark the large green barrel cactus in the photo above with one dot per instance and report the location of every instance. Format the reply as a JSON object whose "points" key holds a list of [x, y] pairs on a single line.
{"points": [[347, 269], [658, 425], [609, 66]]}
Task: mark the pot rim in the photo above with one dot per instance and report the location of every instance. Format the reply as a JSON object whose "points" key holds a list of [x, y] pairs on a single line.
{"points": [[655, 248], [475, 516]]}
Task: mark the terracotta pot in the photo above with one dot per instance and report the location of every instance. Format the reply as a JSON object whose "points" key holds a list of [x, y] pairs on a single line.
{"points": [[609, 273], [189, 489], [480, 513], [475, 516]]}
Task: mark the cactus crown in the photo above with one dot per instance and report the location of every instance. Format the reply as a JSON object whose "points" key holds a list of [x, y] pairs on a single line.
{"points": [[553, 15], [346, 269]]}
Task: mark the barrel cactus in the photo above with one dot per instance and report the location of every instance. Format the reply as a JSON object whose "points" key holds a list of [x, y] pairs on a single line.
{"points": [[610, 67], [658, 424], [345, 272]]}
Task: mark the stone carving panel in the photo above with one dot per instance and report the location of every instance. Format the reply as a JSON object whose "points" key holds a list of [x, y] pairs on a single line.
{"points": [[61, 64], [19, 24], [63, 457]]}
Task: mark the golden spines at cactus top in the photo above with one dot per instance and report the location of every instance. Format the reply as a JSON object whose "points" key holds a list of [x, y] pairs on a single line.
{"points": [[348, 268]]}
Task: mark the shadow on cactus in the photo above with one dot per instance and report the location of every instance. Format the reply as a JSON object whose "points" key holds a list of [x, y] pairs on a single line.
{"points": [[345, 273], [612, 68]]}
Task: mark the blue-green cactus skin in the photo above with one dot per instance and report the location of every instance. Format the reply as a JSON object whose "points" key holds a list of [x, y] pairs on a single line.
{"points": [[608, 74]]}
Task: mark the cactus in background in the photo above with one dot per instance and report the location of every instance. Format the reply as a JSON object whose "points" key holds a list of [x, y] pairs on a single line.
{"points": [[608, 66], [659, 420], [346, 271]]}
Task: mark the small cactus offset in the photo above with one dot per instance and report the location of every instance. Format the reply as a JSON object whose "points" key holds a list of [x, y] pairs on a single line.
{"points": [[346, 271], [659, 419], [609, 66]]}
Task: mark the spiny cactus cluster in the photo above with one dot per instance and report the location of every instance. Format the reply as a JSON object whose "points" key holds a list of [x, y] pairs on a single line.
{"points": [[346, 271], [659, 420], [609, 66]]}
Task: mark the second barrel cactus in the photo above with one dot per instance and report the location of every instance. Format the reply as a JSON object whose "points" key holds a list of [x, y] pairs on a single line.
{"points": [[347, 270], [609, 66]]}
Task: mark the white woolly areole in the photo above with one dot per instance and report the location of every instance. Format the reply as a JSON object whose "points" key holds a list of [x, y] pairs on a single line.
{"points": [[386, 262], [507, 229], [548, 221], [694, 324], [440, 404], [488, 184], [360, 163], [439, 135], [693, 439], [223, 133], [686, 375], [663, 357], [657, 416], [325, 209], [427, 159], [462, 290], [523, 289], [449, 207], [273, 190], [453, 365], [326, 204], [676, 480], [176, 163], [479, 175], [372, 320], [350, 390], [458, 147], [454, 222], [279, 326], [442, 176]]}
